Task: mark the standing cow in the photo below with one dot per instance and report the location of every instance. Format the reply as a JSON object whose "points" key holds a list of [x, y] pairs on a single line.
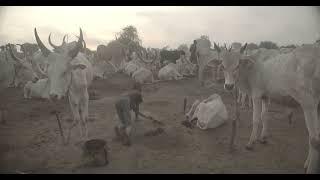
{"points": [[70, 74], [295, 74]]}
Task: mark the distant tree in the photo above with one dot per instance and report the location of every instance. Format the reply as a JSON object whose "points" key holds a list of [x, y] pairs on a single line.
{"points": [[130, 38], [268, 45], [252, 46]]}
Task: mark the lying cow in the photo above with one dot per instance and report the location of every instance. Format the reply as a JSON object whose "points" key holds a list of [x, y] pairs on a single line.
{"points": [[169, 72], [210, 113], [37, 89], [295, 74], [143, 75]]}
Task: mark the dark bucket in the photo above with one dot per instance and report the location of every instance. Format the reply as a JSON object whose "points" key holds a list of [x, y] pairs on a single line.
{"points": [[95, 151]]}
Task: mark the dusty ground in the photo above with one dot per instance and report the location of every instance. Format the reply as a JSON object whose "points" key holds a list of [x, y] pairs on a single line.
{"points": [[30, 141]]}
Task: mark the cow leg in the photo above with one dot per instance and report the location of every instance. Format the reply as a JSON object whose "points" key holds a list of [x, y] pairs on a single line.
{"points": [[255, 123], [192, 110], [239, 96], [264, 119], [200, 75], [250, 101], [76, 115], [84, 114], [306, 163], [214, 74], [311, 117], [243, 100]]}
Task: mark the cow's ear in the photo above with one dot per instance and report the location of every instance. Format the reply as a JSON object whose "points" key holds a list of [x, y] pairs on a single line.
{"points": [[246, 62], [78, 66]]}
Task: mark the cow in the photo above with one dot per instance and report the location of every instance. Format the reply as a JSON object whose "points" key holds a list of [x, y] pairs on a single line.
{"points": [[204, 56], [13, 72], [23, 70], [115, 52], [69, 74], [169, 55], [209, 113], [37, 89], [169, 72], [143, 75], [295, 74], [185, 67]]}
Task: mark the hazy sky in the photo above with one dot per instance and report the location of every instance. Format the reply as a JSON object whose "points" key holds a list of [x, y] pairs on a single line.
{"points": [[159, 26]]}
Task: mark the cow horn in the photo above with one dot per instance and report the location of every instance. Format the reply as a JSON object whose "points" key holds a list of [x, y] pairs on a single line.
{"points": [[243, 48], [84, 45], [74, 52], [24, 50], [17, 59], [54, 46], [45, 51], [216, 47], [64, 39]]}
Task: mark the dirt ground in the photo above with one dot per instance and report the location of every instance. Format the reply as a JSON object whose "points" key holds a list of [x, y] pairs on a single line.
{"points": [[30, 141]]}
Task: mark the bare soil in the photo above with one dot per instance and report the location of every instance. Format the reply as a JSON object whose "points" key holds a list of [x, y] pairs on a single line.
{"points": [[30, 141]]}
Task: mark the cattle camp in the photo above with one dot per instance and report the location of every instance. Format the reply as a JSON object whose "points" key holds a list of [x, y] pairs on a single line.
{"points": [[209, 90]]}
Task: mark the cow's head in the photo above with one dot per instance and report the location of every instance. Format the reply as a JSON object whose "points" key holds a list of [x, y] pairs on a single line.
{"points": [[59, 67], [23, 68], [231, 62]]}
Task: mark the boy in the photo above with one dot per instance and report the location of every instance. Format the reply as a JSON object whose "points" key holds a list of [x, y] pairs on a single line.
{"points": [[124, 104]]}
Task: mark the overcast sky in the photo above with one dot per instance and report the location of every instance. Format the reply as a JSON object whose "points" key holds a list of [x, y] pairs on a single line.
{"points": [[159, 26]]}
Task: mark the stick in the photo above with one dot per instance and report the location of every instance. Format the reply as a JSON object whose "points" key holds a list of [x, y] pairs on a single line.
{"points": [[184, 105], [151, 118], [234, 123], [60, 127]]}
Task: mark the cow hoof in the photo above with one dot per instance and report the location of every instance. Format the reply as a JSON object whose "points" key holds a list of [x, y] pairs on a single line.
{"points": [[263, 141], [249, 147]]}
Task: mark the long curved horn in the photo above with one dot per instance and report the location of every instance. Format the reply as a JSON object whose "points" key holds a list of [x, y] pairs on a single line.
{"points": [[74, 52], [17, 59], [45, 51], [84, 45], [51, 44], [64, 39], [24, 50]]}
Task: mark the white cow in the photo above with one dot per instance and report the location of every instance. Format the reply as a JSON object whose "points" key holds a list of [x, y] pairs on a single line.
{"points": [[295, 74], [143, 75], [39, 89], [209, 113], [70, 74], [13, 72], [205, 56], [169, 72]]}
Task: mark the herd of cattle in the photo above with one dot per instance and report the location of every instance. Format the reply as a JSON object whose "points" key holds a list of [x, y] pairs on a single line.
{"points": [[259, 74]]}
